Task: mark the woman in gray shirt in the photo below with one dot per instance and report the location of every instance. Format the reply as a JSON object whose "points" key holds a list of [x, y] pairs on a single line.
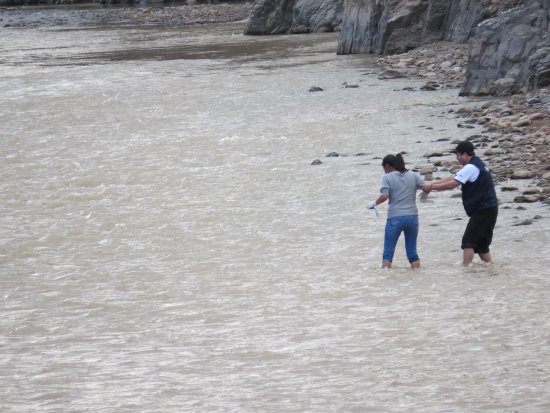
{"points": [[399, 185]]}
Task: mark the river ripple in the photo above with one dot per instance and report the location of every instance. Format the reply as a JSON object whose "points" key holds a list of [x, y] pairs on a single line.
{"points": [[167, 246]]}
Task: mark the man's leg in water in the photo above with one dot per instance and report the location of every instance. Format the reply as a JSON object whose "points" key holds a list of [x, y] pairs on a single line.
{"points": [[486, 256], [468, 256]]}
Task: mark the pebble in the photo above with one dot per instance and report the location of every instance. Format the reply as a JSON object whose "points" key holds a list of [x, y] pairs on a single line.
{"points": [[315, 89]]}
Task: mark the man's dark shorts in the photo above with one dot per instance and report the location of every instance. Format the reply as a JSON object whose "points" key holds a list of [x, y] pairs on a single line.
{"points": [[479, 232]]}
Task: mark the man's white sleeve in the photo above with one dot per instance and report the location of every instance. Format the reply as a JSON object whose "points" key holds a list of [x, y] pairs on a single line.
{"points": [[468, 173]]}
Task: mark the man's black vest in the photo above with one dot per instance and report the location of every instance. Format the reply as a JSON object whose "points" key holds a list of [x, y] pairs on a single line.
{"points": [[480, 194]]}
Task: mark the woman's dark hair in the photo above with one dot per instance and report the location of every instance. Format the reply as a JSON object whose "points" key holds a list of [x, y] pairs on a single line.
{"points": [[395, 161]]}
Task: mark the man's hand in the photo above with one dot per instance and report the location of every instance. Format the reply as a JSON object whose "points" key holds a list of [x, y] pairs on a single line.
{"points": [[371, 205], [426, 188]]}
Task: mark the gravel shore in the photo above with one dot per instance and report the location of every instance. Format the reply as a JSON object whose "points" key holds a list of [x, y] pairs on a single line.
{"points": [[515, 138]]}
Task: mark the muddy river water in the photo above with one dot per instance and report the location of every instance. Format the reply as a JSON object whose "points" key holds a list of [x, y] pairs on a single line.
{"points": [[167, 246]]}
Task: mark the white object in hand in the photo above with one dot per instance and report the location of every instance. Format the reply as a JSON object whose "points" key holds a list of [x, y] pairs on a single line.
{"points": [[371, 205]]}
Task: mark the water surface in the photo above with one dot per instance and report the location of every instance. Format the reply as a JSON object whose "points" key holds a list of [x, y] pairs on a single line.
{"points": [[167, 245]]}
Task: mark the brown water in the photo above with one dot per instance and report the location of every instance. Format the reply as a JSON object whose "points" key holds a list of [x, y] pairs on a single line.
{"points": [[167, 246]]}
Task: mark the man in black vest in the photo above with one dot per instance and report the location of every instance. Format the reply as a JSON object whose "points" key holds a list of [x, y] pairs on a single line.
{"points": [[479, 200]]}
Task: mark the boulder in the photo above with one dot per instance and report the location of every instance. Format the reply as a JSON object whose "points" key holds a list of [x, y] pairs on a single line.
{"points": [[511, 52], [526, 199], [521, 174], [295, 16], [391, 74]]}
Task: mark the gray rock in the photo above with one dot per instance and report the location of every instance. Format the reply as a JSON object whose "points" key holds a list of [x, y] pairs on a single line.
{"points": [[351, 85], [513, 46], [509, 188], [521, 175], [434, 152], [446, 66], [524, 222], [295, 16], [526, 198], [391, 74], [391, 26]]}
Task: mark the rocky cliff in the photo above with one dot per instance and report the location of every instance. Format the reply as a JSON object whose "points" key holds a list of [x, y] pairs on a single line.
{"points": [[510, 53], [508, 39], [296, 16], [395, 26]]}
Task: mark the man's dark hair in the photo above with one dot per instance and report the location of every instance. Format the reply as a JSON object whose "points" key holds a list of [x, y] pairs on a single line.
{"points": [[465, 147]]}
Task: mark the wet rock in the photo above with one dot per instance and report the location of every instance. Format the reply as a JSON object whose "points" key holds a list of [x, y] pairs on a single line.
{"points": [[315, 89], [424, 169], [391, 74], [316, 162], [433, 153], [332, 155], [524, 222], [526, 199], [428, 87], [492, 152], [521, 174], [531, 191], [508, 188], [351, 85]]}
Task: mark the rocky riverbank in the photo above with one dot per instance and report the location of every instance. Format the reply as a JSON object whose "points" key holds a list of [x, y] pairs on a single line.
{"points": [[515, 137]]}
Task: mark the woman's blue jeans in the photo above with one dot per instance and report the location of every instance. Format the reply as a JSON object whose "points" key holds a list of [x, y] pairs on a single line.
{"points": [[394, 226]]}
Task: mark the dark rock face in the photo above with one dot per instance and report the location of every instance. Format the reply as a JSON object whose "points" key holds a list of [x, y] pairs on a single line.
{"points": [[393, 26], [510, 53], [295, 16], [389, 26]]}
